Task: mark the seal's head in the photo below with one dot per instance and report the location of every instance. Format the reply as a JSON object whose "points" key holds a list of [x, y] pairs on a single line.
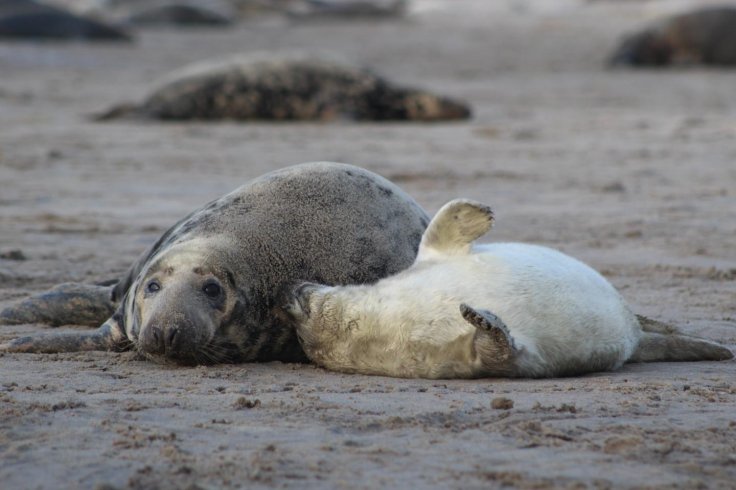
{"points": [[179, 304], [644, 48], [423, 106], [309, 309], [386, 103], [296, 302]]}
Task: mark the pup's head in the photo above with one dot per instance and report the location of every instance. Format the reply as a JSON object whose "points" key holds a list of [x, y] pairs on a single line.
{"points": [[312, 311], [296, 302]]}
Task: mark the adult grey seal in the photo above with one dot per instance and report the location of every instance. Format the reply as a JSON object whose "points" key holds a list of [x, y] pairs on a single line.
{"points": [[703, 36], [292, 86], [26, 19], [180, 14], [467, 311], [348, 9], [206, 291]]}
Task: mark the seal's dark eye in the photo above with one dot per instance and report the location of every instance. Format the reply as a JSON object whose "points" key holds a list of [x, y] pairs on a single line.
{"points": [[212, 290], [153, 287]]}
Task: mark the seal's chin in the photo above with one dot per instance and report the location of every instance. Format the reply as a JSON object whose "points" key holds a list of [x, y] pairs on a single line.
{"points": [[165, 360], [204, 355], [192, 350]]}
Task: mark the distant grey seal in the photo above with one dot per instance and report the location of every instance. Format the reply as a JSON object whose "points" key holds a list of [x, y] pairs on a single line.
{"points": [[27, 19], [703, 36], [207, 290], [468, 311], [348, 9], [286, 87], [178, 13]]}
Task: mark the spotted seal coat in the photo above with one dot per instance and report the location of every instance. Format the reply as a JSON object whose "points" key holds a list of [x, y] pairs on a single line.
{"points": [[206, 290], [467, 311], [289, 86], [703, 36]]}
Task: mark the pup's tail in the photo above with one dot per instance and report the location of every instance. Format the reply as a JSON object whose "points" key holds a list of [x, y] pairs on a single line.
{"points": [[663, 342]]}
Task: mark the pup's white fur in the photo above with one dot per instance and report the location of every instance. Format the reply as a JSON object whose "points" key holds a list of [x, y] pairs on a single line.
{"points": [[463, 310]]}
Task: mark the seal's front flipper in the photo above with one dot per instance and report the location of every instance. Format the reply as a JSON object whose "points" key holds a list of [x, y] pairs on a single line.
{"points": [[454, 228], [65, 304], [126, 110], [107, 337], [493, 341]]}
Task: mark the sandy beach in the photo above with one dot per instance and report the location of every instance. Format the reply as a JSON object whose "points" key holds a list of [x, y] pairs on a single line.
{"points": [[631, 171]]}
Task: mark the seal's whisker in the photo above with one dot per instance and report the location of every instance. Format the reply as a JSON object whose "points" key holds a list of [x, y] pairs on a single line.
{"points": [[127, 344], [215, 353], [202, 356]]}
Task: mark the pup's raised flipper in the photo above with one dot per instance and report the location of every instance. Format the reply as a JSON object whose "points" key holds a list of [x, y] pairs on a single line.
{"points": [[108, 337], [65, 304], [454, 228], [493, 342]]}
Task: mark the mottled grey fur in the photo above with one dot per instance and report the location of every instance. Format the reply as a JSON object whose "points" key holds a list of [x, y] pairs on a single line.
{"points": [[323, 222], [292, 86], [703, 36]]}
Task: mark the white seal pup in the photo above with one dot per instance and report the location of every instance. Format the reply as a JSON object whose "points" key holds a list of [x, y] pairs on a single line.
{"points": [[467, 311]]}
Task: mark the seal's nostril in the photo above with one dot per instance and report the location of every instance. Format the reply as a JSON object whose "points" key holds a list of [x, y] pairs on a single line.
{"points": [[171, 336], [153, 340]]}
